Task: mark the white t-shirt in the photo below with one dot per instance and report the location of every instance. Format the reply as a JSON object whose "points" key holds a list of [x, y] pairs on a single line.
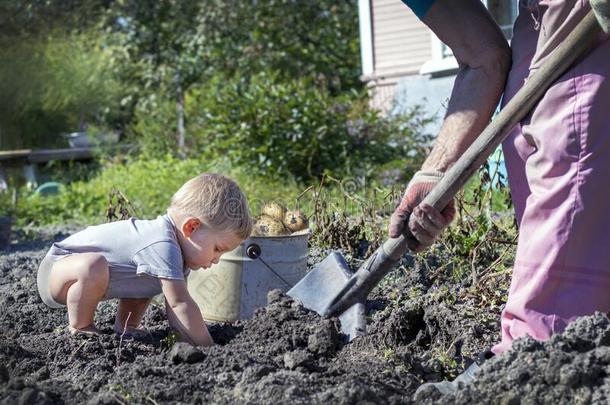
{"points": [[139, 253]]}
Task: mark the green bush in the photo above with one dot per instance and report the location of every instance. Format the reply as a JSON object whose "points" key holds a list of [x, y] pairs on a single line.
{"points": [[278, 128], [314, 39]]}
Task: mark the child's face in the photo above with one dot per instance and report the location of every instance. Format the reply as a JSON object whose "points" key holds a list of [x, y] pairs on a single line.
{"points": [[204, 246]]}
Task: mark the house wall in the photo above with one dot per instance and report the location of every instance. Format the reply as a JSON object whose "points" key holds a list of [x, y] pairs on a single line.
{"points": [[431, 94], [401, 44]]}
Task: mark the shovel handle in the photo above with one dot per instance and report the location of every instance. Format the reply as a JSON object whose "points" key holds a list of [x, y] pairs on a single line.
{"points": [[580, 40]]}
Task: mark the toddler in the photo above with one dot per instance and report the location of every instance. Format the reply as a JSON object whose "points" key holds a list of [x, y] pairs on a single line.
{"points": [[134, 260]]}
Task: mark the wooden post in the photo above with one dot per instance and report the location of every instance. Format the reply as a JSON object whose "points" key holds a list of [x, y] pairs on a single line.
{"points": [[5, 232], [180, 114], [3, 180]]}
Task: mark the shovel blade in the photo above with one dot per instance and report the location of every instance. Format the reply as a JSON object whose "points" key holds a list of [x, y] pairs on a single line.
{"points": [[322, 284]]}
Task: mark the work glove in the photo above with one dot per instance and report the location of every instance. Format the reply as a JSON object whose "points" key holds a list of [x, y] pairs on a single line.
{"points": [[601, 8], [425, 222]]}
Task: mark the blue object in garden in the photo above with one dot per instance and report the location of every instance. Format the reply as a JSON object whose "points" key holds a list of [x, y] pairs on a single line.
{"points": [[48, 188], [497, 167]]}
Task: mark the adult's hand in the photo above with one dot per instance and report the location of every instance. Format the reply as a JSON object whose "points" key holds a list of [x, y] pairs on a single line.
{"points": [[420, 223], [601, 8]]}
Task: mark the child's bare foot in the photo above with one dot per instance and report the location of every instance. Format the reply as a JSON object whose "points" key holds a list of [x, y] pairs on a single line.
{"points": [[90, 330], [133, 333]]}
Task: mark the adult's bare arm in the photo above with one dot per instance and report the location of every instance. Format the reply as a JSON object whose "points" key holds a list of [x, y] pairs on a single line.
{"points": [[484, 59], [483, 56]]}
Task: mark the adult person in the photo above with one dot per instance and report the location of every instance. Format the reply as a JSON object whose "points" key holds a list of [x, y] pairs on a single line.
{"points": [[556, 159]]}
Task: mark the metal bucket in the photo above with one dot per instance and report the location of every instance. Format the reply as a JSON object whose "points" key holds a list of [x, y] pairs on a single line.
{"points": [[235, 287]]}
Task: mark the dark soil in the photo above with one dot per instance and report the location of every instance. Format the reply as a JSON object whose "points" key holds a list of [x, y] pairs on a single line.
{"points": [[418, 332], [571, 368]]}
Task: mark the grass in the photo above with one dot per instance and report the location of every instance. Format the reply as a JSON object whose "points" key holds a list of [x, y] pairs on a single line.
{"points": [[121, 391], [172, 338], [348, 213], [147, 183]]}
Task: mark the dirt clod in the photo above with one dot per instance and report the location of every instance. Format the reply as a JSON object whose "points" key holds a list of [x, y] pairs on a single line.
{"points": [[569, 368], [185, 353], [297, 358], [324, 339]]}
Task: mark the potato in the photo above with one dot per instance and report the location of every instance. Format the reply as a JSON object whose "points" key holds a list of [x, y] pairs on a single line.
{"points": [[295, 221], [268, 226], [274, 210]]}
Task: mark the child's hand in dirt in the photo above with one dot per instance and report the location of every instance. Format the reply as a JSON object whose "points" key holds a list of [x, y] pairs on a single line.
{"points": [[420, 223]]}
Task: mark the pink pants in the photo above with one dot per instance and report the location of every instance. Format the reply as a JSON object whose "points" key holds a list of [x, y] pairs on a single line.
{"points": [[558, 162]]}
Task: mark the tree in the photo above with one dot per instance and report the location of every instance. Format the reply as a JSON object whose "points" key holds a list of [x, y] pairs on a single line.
{"points": [[313, 39], [170, 45], [156, 40], [160, 49]]}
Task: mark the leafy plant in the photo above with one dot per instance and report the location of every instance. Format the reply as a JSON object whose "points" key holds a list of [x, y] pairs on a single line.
{"points": [[170, 340], [448, 364], [120, 390], [149, 184], [279, 128], [154, 127]]}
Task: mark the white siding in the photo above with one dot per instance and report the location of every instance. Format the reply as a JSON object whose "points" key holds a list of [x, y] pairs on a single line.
{"points": [[401, 45], [401, 42]]}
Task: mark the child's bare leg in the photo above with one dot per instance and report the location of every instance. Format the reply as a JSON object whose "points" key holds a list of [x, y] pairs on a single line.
{"points": [[130, 313], [80, 281]]}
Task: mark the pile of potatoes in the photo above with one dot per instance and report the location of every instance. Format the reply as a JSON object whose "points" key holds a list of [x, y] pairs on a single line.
{"points": [[276, 220]]}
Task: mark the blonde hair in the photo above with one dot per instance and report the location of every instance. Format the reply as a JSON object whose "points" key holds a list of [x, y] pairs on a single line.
{"points": [[216, 200]]}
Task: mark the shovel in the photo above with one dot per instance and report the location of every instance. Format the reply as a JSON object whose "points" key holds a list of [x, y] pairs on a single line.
{"points": [[331, 289]]}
